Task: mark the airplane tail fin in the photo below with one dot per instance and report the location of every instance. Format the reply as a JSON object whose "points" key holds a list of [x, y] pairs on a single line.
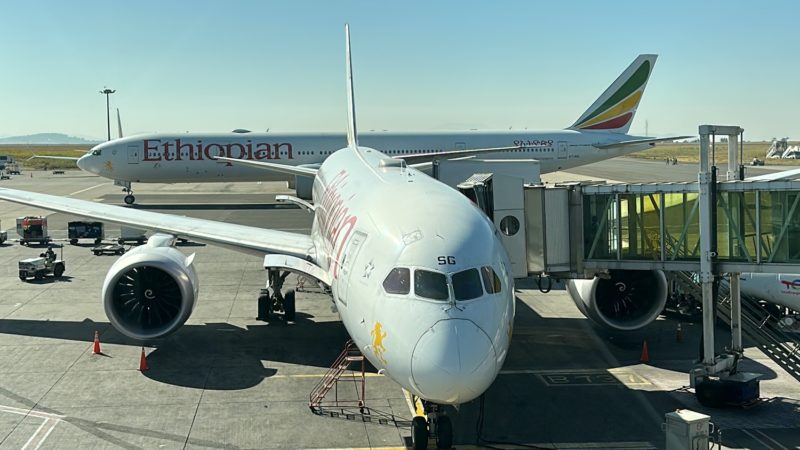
{"points": [[352, 136], [119, 124], [614, 109]]}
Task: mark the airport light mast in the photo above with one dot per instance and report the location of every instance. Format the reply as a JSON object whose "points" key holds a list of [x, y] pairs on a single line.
{"points": [[108, 92]]}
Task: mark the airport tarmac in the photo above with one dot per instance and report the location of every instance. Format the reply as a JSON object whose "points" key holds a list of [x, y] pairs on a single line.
{"points": [[226, 380]]}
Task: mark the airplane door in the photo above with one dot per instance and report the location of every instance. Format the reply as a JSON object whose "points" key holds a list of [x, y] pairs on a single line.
{"points": [[563, 153], [133, 154], [348, 272]]}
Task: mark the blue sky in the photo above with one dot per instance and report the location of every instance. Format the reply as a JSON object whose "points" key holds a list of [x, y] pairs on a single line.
{"points": [[419, 65]]}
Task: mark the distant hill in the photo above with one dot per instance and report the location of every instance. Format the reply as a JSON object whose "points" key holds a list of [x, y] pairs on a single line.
{"points": [[47, 139]]}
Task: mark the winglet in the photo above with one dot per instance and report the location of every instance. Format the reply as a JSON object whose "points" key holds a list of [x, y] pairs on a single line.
{"points": [[614, 109], [352, 137], [119, 124]]}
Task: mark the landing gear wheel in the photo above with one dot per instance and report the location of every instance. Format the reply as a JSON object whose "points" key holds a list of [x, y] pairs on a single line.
{"points": [[419, 433], [129, 199], [444, 433], [263, 307], [289, 307]]}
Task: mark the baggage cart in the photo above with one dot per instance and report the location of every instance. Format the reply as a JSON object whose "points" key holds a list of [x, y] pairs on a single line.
{"points": [[32, 229], [85, 230]]}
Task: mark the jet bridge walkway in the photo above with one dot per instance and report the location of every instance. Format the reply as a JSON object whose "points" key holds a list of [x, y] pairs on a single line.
{"points": [[580, 230]]}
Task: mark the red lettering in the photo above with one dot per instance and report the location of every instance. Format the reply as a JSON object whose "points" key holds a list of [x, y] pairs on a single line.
{"points": [[219, 149], [262, 151], [229, 151], [179, 147], [167, 156], [154, 148], [288, 146]]}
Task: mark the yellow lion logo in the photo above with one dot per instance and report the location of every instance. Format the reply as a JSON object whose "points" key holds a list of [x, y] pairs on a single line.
{"points": [[377, 341]]}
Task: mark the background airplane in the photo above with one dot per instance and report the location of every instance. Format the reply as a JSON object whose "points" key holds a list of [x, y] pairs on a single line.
{"points": [[416, 272], [599, 133]]}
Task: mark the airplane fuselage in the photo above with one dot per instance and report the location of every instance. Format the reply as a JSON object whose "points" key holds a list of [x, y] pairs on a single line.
{"points": [[179, 158], [779, 288], [407, 279]]}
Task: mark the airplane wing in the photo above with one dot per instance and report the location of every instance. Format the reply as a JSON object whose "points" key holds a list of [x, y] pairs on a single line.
{"points": [[67, 158], [452, 154], [283, 168], [253, 240], [782, 175], [640, 141]]}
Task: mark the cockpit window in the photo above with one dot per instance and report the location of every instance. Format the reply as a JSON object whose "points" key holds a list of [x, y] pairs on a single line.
{"points": [[467, 285], [398, 281], [490, 280], [431, 285], [97, 152]]}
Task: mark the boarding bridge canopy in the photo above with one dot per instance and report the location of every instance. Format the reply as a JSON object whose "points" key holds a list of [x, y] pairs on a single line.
{"points": [[656, 226]]}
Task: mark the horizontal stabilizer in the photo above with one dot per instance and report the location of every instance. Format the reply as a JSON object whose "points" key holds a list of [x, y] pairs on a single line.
{"points": [[640, 141], [782, 175], [283, 168]]}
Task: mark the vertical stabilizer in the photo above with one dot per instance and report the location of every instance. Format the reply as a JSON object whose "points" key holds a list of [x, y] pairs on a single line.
{"points": [[119, 125], [614, 109], [352, 137]]}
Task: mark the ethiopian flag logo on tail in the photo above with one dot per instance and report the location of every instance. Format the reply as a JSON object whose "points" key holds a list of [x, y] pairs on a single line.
{"points": [[614, 109]]}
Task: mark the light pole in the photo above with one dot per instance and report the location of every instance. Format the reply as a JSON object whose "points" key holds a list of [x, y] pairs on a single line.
{"points": [[108, 92]]}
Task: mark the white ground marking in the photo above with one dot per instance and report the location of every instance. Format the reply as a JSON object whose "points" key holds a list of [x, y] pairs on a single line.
{"points": [[87, 189], [40, 435]]}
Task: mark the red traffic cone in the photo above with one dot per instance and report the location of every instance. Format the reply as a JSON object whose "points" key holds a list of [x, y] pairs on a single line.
{"points": [[143, 362], [96, 348], [645, 358]]}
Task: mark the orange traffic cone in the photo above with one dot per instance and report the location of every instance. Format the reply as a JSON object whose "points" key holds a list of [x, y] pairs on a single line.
{"points": [[143, 362], [645, 358], [96, 349]]}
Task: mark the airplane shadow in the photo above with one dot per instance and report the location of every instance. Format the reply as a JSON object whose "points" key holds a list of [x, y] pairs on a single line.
{"points": [[217, 356]]}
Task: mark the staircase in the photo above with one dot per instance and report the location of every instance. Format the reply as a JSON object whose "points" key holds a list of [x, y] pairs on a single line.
{"points": [[758, 324]]}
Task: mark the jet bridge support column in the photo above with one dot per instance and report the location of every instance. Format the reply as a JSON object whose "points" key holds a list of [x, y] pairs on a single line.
{"points": [[715, 379]]}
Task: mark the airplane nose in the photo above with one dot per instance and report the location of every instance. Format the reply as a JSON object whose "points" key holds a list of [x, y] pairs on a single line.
{"points": [[453, 362], [82, 163]]}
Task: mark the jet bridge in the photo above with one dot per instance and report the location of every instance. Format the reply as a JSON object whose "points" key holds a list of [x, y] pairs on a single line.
{"points": [[579, 230]]}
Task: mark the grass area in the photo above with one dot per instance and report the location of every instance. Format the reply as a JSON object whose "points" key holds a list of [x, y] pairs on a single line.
{"points": [[690, 153], [21, 153]]}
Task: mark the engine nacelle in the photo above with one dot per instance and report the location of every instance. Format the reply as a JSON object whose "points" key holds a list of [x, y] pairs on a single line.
{"points": [[627, 300], [150, 291]]}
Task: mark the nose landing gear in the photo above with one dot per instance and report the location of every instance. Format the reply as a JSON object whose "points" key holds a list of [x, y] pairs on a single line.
{"points": [[126, 187], [435, 424], [272, 300]]}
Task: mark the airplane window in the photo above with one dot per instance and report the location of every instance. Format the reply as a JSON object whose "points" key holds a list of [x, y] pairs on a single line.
{"points": [[397, 282], [467, 285], [97, 152], [490, 280], [431, 285]]}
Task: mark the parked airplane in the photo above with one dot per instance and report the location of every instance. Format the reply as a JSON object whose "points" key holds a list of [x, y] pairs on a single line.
{"points": [[780, 289], [599, 133], [417, 273]]}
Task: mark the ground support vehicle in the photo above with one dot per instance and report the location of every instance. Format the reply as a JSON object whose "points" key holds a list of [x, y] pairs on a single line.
{"points": [[41, 266], [85, 230], [108, 249], [32, 229]]}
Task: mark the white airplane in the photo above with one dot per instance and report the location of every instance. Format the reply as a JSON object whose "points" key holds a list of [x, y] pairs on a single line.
{"points": [[416, 271], [780, 289], [599, 133]]}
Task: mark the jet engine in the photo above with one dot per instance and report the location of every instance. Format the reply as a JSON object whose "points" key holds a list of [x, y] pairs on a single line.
{"points": [[150, 291], [627, 300]]}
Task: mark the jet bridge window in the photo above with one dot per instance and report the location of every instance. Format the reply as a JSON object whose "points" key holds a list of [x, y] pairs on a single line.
{"points": [[431, 285], [490, 280], [467, 285], [398, 281]]}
